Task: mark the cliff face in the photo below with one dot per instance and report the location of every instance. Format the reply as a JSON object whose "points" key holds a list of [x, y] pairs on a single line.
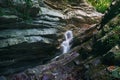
{"points": [[27, 43]]}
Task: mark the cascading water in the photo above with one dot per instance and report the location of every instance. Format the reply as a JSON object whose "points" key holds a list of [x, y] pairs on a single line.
{"points": [[66, 44]]}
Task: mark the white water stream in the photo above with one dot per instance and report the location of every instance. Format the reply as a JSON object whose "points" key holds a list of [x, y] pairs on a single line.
{"points": [[66, 44]]}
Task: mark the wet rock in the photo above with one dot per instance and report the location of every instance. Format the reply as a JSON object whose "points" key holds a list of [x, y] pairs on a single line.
{"points": [[3, 3], [54, 13], [81, 16], [82, 13], [21, 2], [48, 76], [32, 7], [14, 41], [9, 19], [35, 9], [2, 78], [26, 32], [21, 8], [26, 44]]}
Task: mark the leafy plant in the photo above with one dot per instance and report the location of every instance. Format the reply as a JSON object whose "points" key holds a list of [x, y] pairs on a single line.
{"points": [[116, 73], [25, 13], [116, 37], [100, 5]]}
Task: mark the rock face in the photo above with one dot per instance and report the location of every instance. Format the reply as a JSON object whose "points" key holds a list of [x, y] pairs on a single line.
{"points": [[25, 44], [21, 8], [78, 17]]}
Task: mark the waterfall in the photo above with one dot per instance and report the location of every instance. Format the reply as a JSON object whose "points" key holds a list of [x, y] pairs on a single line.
{"points": [[66, 44], [68, 35]]}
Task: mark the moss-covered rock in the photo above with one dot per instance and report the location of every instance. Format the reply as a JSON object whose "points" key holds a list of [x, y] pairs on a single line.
{"points": [[22, 8]]}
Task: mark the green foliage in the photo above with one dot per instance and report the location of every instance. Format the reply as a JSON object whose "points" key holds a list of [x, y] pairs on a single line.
{"points": [[114, 39], [1, 13], [100, 5], [116, 73], [116, 29], [25, 12], [28, 2]]}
